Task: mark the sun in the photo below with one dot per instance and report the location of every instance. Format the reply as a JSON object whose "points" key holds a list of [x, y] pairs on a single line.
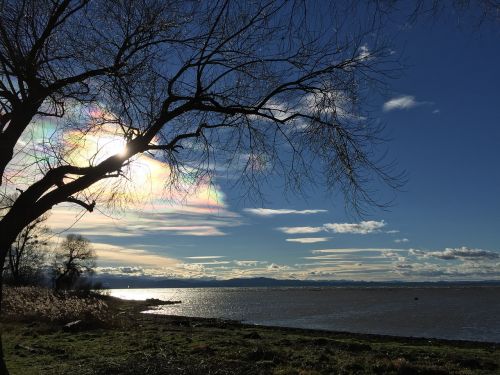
{"points": [[93, 148], [116, 146], [146, 176]]}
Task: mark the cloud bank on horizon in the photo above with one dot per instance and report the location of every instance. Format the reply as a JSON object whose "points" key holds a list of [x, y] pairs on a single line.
{"points": [[134, 258]]}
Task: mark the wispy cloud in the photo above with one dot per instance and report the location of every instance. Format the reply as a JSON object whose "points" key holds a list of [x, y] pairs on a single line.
{"points": [[363, 227], [280, 211], [300, 230], [401, 240], [278, 267], [308, 239], [390, 254], [108, 255], [463, 253], [432, 271], [402, 102], [364, 52], [127, 270], [249, 263], [212, 262], [193, 230], [206, 257], [169, 220], [354, 250]]}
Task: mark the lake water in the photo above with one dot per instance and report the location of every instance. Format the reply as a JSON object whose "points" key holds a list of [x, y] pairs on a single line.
{"points": [[461, 313]]}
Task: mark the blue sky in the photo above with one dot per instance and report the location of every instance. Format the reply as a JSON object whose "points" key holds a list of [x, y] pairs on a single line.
{"points": [[442, 118]]}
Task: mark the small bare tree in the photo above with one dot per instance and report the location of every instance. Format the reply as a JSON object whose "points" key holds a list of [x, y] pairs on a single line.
{"points": [[74, 258], [27, 254]]}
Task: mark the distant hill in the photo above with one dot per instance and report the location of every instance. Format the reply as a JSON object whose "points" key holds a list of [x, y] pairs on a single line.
{"points": [[155, 282]]}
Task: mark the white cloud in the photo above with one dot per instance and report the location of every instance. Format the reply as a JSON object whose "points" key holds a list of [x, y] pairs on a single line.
{"points": [[120, 270], [131, 269], [160, 218], [401, 240], [364, 227], [206, 257], [416, 252], [280, 211], [193, 230], [364, 52], [308, 239], [249, 263], [461, 253], [354, 250], [300, 230], [116, 255], [464, 253], [212, 263], [278, 267], [403, 266], [401, 102], [429, 271], [331, 102], [277, 110]]}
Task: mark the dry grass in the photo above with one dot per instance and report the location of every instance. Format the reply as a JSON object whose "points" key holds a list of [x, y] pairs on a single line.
{"points": [[41, 304]]}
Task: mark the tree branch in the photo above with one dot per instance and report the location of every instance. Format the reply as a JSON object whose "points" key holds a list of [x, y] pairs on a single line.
{"points": [[87, 206]]}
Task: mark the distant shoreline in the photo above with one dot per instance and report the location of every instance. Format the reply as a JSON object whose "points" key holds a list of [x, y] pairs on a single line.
{"points": [[123, 282]]}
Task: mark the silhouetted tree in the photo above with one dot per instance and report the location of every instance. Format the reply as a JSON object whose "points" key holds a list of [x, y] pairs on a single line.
{"points": [[193, 83], [272, 86], [74, 259], [27, 254], [276, 86]]}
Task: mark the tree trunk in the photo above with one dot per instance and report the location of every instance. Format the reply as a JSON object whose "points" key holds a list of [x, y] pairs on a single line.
{"points": [[9, 233], [3, 254], [3, 365]]}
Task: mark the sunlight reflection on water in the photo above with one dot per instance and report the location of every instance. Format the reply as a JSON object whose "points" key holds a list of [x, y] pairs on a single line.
{"points": [[466, 313]]}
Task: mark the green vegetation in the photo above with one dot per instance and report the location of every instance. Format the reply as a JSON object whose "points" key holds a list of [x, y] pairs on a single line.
{"points": [[134, 343]]}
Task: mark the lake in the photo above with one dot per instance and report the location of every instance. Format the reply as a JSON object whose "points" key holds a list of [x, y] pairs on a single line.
{"points": [[458, 313]]}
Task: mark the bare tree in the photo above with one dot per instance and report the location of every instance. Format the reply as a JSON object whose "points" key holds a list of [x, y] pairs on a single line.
{"points": [[193, 84], [272, 86], [74, 259], [27, 254]]}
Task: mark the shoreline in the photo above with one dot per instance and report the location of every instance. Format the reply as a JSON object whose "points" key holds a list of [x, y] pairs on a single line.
{"points": [[388, 325], [360, 335], [137, 343]]}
